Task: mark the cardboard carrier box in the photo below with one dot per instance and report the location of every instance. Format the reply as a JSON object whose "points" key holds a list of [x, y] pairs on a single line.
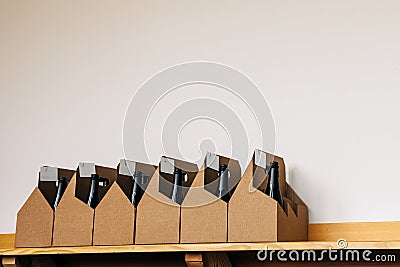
{"points": [[204, 213], [114, 219], [138, 203], [255, 217], [36, 217], [74, 218], [158, 216]]}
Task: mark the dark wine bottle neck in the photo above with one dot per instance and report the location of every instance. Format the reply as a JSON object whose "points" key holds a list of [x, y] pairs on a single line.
{"points": [[273, 189], [93, 199], [136, 190], [62, 186], [223, 185], [177, 194], [95, 180]]}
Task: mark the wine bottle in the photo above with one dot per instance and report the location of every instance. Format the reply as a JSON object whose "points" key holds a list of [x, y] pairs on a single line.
{"points": [[95, 180], [223, 185], [137, 190], [62, 184], [273, 189], [177, 194]]}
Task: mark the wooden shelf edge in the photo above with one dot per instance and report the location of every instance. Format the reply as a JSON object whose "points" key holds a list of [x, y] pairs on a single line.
{"points": [[368, 235], [197, 248]]}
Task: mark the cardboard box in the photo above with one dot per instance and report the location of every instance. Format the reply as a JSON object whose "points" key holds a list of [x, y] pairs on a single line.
{"points": [[35, 218], [255, 217], [114, 219], [157, 216], [204, 217], [74, 219]]}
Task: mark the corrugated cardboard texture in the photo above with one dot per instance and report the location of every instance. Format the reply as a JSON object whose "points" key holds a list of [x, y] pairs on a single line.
{"points": [[203, 223], [34, 222], [114, 219], [73, 222], [157, 217], [254, 217]]}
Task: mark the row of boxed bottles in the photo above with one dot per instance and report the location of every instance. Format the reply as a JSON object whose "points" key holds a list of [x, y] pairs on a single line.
{"points": [[175, 202]]}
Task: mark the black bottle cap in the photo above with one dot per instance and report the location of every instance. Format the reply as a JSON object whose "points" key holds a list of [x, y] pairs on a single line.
{"points": [[95, 176], [223, 167], [177, 171]]}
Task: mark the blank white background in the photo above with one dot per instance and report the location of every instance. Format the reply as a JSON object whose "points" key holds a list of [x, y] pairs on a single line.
{"points": [[329, 69]]}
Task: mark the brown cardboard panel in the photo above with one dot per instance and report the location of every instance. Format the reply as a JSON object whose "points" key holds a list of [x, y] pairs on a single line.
{"points": [[203, 223], [74, 219], [114, 219], [73, 222], [35, 219], [157, 216], [34, 222], [254, 217], [291, 194], [204, 217]]}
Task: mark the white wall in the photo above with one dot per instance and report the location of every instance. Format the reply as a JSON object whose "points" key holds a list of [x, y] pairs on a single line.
{"points": [[330, 71]]}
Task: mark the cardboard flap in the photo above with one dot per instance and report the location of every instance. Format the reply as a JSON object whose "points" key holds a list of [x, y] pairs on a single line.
{"points": [[109, 173], [166, 172], [245, 185], [69, 200], [126, 167], [34, 222], [291, 214], [70, 191], [198, 179], [211, 172], [83, 180], [114, 195], [125, 178], [291, 194], [48, 177], [197, 195], [114, 219], [34, 201], [258, 173], [152, 191], [251, 210]]}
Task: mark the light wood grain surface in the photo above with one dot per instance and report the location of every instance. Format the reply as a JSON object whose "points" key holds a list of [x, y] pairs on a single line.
{"points": [[7, 241], [380, 235], [197, 247], [363, 231]]}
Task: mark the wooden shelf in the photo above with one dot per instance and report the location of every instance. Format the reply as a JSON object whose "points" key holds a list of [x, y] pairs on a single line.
{"points": [[196, 248], [380, 235]]}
